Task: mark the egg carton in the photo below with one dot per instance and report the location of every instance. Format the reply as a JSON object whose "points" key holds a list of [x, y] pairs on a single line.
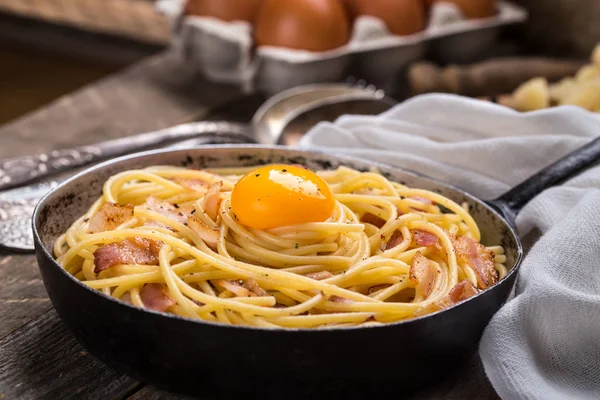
{"points": [[224, 51]]}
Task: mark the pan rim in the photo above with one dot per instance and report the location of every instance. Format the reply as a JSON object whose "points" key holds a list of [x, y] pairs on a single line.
{"points": [[39, 246]]}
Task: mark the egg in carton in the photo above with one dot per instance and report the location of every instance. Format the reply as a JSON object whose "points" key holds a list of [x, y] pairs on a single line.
{"points": [[225, 51]]}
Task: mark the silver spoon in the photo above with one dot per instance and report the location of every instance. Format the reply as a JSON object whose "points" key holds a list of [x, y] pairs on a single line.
{"points": [[280, 122], [265, 128]]}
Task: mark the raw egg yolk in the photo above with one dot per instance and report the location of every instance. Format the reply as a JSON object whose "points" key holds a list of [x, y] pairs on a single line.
{"points": [[281, 195]]}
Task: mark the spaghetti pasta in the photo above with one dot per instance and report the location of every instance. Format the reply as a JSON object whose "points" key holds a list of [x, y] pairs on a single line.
{"points": [[169, 239]]}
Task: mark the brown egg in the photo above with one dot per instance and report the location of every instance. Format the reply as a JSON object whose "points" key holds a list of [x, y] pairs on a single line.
{"points": [[428, 3], [402, 17], [227, 10], [314, 25], [473, 9]]}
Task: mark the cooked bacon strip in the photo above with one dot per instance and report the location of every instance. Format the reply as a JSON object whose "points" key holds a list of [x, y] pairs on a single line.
{"points": [[254, 288], [478, 257], [195, 185], [423, 238], [155, 297], [421, 199], [372, 219], [234, 287], [426, 202], [209, 235], [126, 298], [460, 292], [212, 200], [422, 273], [377, 288], [319, 276], [109, 216], [394, 241], [130, 251], [156, 224], [338, 299], [167, 209]]}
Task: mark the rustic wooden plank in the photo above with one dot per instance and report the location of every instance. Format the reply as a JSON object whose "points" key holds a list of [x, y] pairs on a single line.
{"points": [[135, 19], [156, 93], [72, 42], [16, 312], [38, 77], [238, 110], [43, 361], [22, 293]]}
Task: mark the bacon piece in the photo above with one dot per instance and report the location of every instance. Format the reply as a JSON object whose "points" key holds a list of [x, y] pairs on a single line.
{"points": [[478, 257], [130, 251], [212, 200], [109, 216], [155, 297], [254, 288], [127, 298], [460, 292], [319, 276], [195, 185], [394, 241], [377, 288], [209, 235], [338, 299], [234, 287], [423, 238], [167, 209], [422, 199], [157, 224], [372, 219], [422, 273], [426, 202]]}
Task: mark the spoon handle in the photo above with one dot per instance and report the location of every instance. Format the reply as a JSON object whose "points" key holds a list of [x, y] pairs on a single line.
{"points": [[22, 170]]}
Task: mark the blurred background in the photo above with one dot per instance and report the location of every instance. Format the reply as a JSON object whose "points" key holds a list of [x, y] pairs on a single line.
{"points": [[49, 48]]}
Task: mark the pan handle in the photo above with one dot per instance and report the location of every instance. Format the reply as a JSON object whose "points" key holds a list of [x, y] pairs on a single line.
{"points": [[511, 202]]}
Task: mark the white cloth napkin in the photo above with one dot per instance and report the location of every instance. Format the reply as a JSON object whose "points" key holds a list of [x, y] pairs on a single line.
{"points": [[545, 342]]}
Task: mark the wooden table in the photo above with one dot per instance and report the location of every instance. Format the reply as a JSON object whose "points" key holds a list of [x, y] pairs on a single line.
{"points": [[39, 359]]}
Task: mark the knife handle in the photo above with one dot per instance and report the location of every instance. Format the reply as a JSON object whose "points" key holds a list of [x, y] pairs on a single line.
{"points": [[22, 170]]}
